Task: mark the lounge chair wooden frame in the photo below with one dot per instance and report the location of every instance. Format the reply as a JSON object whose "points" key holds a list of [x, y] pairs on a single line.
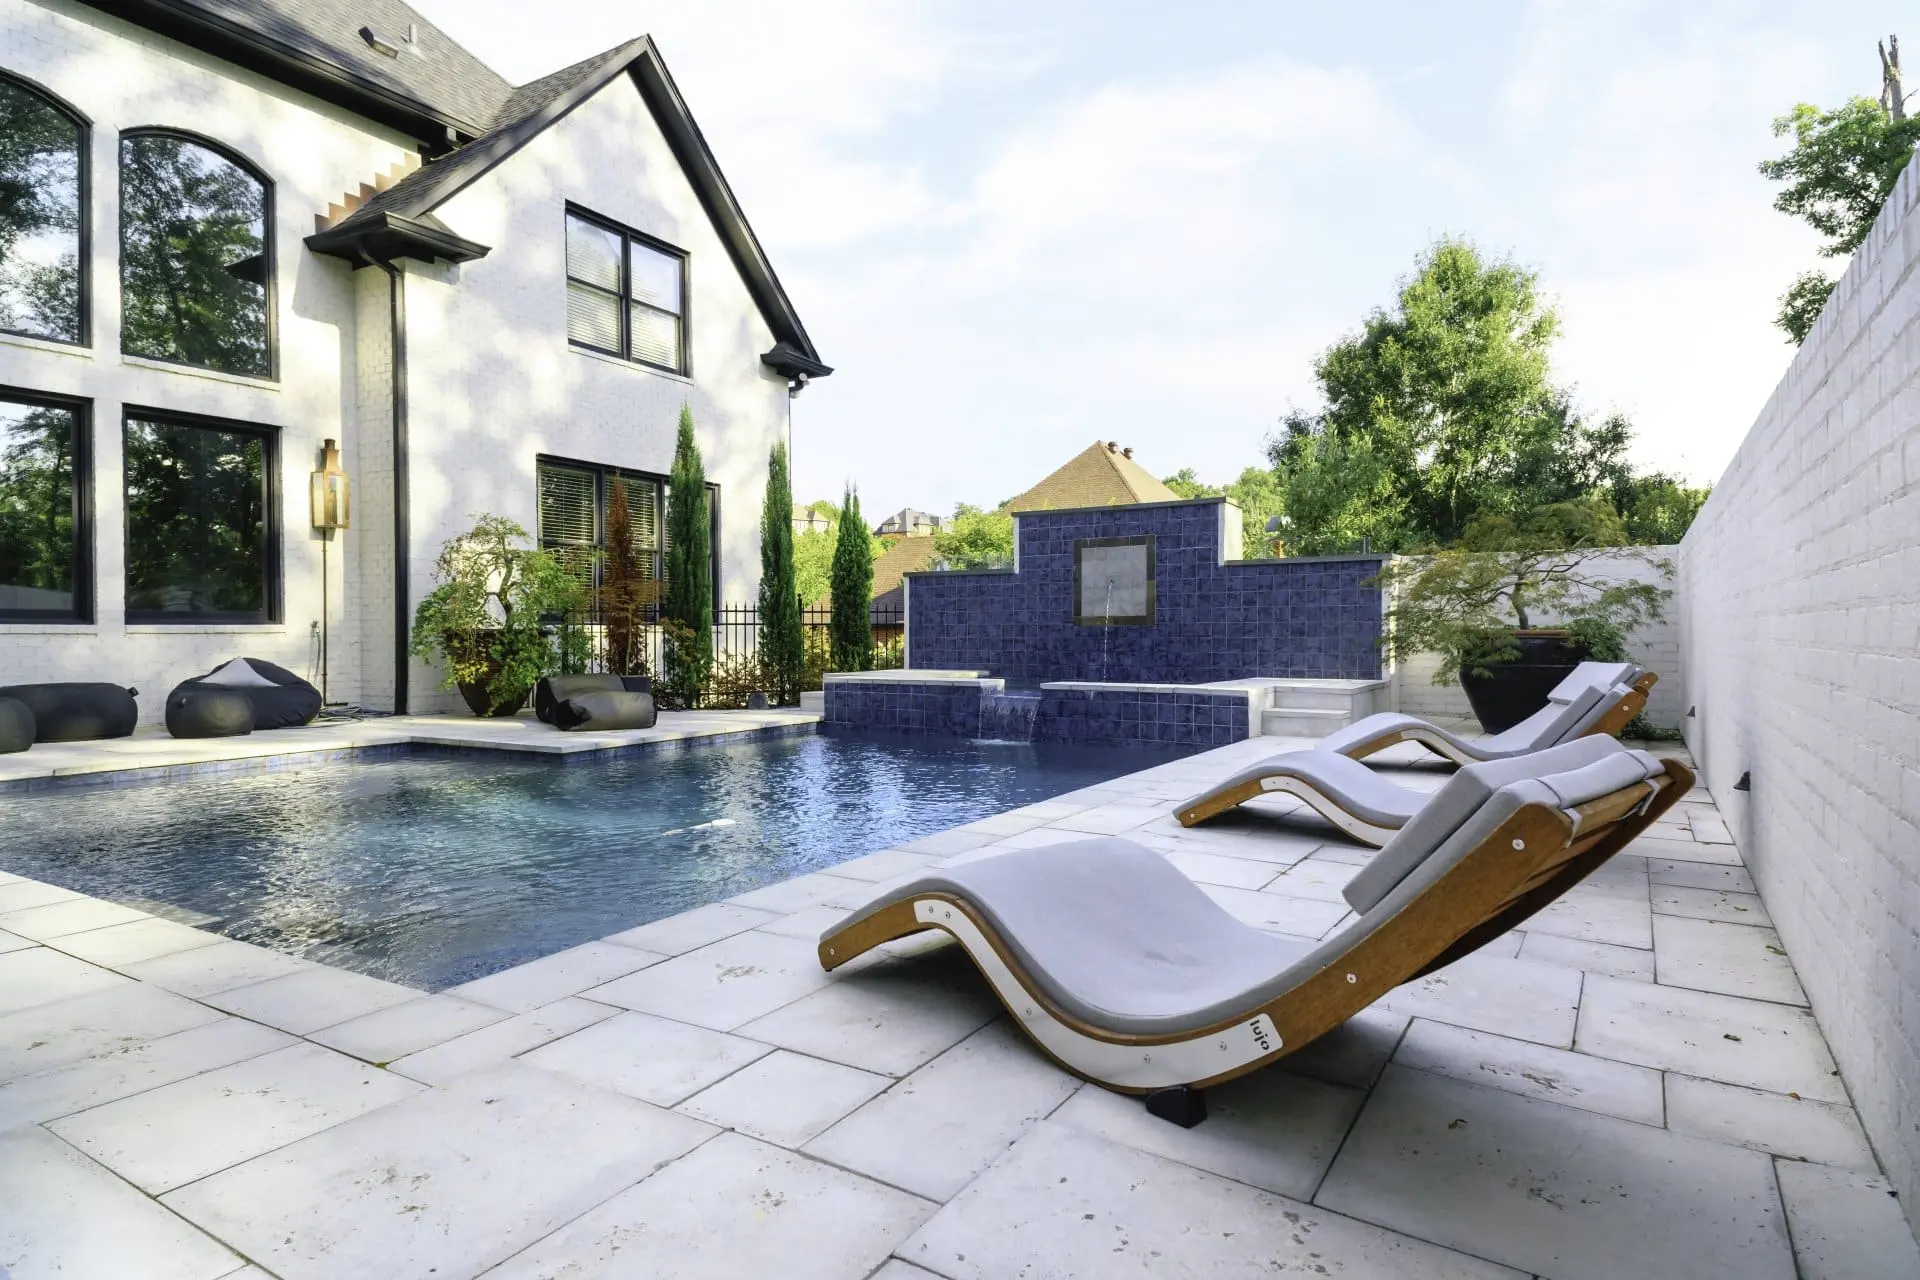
{"points": [[1616, 718], [1527, 862], [1217, 803]]}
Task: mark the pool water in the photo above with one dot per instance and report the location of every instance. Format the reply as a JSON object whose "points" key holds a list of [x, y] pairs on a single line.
{"points": [[434, 872]]}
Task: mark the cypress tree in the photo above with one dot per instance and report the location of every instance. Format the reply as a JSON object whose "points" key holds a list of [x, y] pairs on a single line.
{"points": [[851, 629], [782, 642], [686, 610]]}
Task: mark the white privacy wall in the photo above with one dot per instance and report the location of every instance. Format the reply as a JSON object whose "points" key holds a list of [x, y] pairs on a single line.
{"points": [[1799, 620], [121, 77], [1655, 646]]}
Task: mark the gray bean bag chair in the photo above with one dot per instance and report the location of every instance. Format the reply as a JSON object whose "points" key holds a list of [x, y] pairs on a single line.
{"points": [[604, 710], [206, 711], [281, 699], [16, 725], [553, 690], [74, 712]]}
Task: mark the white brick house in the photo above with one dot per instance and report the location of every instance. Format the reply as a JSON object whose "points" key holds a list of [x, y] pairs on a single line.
{"points": [[563, 265]]}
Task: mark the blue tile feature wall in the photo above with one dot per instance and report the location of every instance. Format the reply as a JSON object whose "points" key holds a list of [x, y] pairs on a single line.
{"points": [[1198, 718], [1144, 717], [1306, 617], [945, 708]]}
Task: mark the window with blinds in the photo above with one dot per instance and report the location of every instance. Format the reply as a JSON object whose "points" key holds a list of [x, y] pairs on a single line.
{"points": [[626, 294], [573, 501]]}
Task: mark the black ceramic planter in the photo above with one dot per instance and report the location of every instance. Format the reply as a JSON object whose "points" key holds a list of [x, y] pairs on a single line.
{"points": [[1512, 691]]}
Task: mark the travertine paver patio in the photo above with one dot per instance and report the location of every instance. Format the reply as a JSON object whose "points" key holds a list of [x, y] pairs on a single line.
{"points": [[1631, 1087]]}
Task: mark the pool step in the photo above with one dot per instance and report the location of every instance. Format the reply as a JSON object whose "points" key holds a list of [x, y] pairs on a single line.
{"points": [[1316, 708], [1302, 722]]}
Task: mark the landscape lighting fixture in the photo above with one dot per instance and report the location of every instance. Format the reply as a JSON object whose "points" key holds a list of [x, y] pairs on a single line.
{"points": [[331, 496]]}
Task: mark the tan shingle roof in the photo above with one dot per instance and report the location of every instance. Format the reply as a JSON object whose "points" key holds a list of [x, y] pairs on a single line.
{"points": [[1099, 476]]}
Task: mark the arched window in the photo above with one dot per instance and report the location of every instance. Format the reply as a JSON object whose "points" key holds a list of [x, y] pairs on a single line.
{"points": [[195, 259], [43, 192]]}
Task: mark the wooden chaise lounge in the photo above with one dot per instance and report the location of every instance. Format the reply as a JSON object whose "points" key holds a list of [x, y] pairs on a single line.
{"points": [[1586, 702], [1364, 804], [1125, 973]]}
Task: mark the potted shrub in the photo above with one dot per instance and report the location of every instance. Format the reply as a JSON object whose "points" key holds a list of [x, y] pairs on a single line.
{"points": [[487, 617], [1481, 602]]}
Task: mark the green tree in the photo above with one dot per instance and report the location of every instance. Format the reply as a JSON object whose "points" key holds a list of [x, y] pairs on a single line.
{"points": [[813, 563], [976, 539], [1441, 411], [1841, 169], [851, 632], [1658, 509], [628, 590], [782, 639], [686, 609]]}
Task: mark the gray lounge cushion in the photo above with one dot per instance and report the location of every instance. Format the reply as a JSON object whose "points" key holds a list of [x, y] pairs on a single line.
{"points": [[1593, 674], [280, 699], [1117, 937], [1551, 724], [1465, 793], [619, 710], [16, 726], [1359, 790]]}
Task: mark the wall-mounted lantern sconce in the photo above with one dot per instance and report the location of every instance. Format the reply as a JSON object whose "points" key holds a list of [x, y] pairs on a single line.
{"points": [[1745, 783], [331, 491], [332, 503], [1690, 711]]}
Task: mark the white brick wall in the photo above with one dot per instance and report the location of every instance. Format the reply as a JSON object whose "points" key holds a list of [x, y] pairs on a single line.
{"points": [[1799, 620], [122, 77], [1655, 646], [492, 381]]}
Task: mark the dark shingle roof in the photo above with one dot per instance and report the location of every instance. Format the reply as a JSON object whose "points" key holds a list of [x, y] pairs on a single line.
{"points": [[526, 111], [321, 40]]}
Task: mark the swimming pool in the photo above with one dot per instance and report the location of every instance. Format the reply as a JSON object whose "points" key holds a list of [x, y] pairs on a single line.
{"points": [[433, 872]]}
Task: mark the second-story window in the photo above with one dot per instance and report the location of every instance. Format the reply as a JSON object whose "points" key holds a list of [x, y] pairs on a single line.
{"points": [[194, 257], [626, 294], [42, 215]]}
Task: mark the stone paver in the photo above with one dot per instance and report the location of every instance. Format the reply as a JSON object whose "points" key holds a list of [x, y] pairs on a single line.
{"points": [[1067, 1203], [1609, 1091], [733, 1208], [448, 1182], [1846, 1226], [1556, 1191], [67, 1216], [785, 1098]]}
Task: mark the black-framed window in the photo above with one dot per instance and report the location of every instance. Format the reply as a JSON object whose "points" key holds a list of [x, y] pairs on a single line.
{"points": [[202, 535], [573, 516], [43, 214], [626, 293], [46, 538], [196, 259]]}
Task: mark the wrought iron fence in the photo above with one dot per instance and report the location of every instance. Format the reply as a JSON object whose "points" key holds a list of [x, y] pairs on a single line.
{"points": [[737, 669]]}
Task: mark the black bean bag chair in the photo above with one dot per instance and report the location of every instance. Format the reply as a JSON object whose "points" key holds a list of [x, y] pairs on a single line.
{"points": [[281, 699], [206, 711], [604, 710], [16, 725], [76, 711], [553, 690]]}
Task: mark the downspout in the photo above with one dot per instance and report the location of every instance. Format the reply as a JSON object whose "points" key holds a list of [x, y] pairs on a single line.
{"points": [[402, 531]]}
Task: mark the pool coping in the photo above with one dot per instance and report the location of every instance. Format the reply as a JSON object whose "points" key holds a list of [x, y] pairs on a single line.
{"points": [[387, 741]]}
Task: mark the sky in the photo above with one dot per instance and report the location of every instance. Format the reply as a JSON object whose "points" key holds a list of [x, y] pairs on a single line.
{"points": [[1017, 228]]}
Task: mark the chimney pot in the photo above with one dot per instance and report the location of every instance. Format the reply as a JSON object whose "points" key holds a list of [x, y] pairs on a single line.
{"points": [[1127, 452], [1112, 445]]}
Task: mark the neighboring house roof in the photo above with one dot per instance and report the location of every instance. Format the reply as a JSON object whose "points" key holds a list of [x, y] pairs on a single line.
{"points": [[1102, 475], [908, 555], [441, 94]]}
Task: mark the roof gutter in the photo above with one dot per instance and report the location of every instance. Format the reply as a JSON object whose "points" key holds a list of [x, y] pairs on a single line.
{"points": [[402, 514]]}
